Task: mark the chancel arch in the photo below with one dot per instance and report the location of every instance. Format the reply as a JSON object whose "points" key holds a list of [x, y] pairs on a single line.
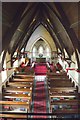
{"points": [[40, 33]]}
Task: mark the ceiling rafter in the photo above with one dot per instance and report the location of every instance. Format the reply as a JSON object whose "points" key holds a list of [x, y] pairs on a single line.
{"points": [[22, 35], [30, 28], [51, 31], [55, 30], [69, 30], [11, 31], [51, 11], [66, 24], [31, 31], [55, 39], [27, 35]]}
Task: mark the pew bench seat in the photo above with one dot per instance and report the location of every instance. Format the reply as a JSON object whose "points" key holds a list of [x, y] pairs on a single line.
{"points": [[19, 85], [5, 95], [70, 111], [13, 90], [23, 76], [14, 106], [69, 89], [69, 102], [23, 80], [13, 116]]}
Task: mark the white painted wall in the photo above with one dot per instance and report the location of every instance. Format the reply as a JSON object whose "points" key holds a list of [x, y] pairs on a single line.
{"points": [[73, 74], [6, 73]]}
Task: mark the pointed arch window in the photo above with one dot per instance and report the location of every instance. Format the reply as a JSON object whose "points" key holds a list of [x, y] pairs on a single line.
{"points": [[47, 52], [40, 50], [34, 51]]}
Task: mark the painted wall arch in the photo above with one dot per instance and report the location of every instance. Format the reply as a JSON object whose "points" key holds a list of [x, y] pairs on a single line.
{"points": [[40, 33]]}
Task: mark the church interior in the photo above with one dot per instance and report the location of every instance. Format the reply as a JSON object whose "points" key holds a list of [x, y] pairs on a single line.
{"points": [[40, 61]]}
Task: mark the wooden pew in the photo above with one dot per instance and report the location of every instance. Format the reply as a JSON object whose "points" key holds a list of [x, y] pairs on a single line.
{"points": [[15, 109], [51, 81], [57, 74], [23, 80], [13, 103], [72, 111], [12, 90], [63, 95], [25, 70], [58, 80], [17, 90], [60, 84], [71, 95], [16, 103], [16, 84], [71, 99], [7, 96], [18, 116], [23, 76], [14, 95], [69, 102], [57, 77], [61, 92], [63, 89], [21, 96], [74, 104]]}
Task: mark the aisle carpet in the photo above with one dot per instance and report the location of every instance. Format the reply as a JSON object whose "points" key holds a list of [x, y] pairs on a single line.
{"points": [[40, 69], [40, 99]]}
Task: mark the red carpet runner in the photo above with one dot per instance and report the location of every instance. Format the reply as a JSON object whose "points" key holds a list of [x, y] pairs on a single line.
{"points": [[40, 99], [40, 69]]}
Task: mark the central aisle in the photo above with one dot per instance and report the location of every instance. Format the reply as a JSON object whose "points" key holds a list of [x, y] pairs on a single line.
{"points": [[40, 97], [40, 69]]}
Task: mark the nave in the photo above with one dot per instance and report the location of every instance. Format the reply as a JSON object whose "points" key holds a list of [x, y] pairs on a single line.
{"points": [[35, 95], [39, 60]]}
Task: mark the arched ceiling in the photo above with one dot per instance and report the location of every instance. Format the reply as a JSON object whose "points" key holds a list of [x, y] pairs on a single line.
{"points": [[40, 33], [20, 19]]}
